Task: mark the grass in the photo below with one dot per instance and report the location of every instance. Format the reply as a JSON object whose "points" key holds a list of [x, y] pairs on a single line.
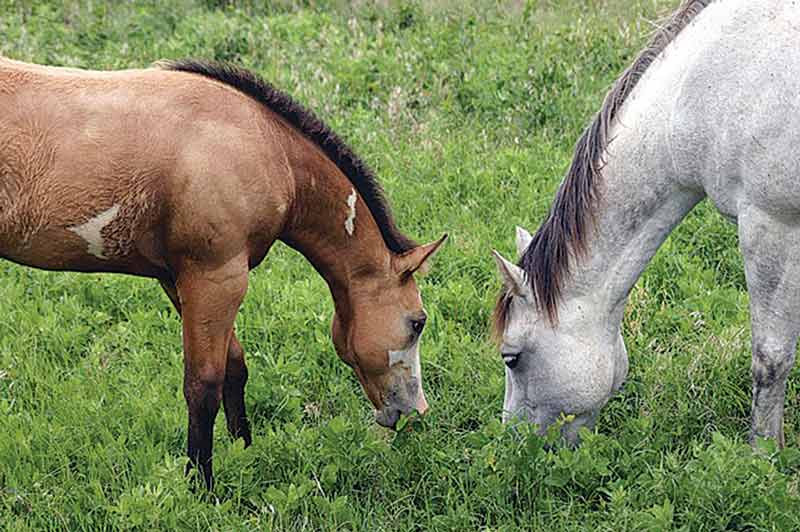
{"points": [[468, 111]]}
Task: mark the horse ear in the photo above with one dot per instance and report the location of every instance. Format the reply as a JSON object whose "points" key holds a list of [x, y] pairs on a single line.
{"points": [[416, 259], [512, 275], [523, 240]]}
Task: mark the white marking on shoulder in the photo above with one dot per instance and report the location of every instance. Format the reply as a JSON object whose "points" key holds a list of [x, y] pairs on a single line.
{"points": [[91, 231], [350, 222]]}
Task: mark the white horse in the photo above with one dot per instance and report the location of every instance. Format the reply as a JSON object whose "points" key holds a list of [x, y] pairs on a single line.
{"points": [[710, 109]]}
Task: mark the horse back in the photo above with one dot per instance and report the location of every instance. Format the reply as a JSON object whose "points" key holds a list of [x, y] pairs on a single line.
{"points": [[123, 171]]}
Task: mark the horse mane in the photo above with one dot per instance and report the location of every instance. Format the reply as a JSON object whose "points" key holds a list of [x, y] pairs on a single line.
{"points": [[307, 123], [563, 236]]}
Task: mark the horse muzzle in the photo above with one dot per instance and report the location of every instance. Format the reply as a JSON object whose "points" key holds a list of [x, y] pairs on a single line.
{"points": [[389, 415]]}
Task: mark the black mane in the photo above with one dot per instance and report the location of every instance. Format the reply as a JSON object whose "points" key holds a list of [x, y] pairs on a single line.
{"points": [[359, 174]]}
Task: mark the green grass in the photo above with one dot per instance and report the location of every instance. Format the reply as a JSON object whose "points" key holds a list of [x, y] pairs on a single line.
{"points": [[468, 111]]}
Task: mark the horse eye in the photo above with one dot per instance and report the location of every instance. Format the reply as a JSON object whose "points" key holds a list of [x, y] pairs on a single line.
{"points": [[418, 325], [511, 359]]}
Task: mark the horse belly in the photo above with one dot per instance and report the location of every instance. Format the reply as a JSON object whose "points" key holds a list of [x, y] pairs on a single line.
{"points": [[108, 240], [75, 197]]}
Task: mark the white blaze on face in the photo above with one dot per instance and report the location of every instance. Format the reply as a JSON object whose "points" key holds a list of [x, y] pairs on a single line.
{"points": [[408, 359], [350, 222], [91, 231]]}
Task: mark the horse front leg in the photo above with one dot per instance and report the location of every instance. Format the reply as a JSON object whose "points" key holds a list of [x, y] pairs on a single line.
{"points": [[771, 250], [235, 378], [209, 300]]}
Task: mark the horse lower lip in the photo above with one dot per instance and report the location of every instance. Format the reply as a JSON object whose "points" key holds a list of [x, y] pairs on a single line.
{"points": [[386, 419]]}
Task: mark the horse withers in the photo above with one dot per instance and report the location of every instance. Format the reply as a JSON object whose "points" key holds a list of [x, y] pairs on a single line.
{"points": [[187, 173], [709, 109]]}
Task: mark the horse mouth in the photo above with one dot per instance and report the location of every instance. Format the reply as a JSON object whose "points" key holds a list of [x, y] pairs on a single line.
{"points": [[524, 412], [387, 417]]}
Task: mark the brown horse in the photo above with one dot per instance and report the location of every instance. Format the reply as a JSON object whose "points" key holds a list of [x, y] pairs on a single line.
{"points": [[187, 173]]}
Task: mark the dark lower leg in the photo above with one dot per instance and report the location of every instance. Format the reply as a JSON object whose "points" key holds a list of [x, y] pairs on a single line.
{"points": [[208, 302], [770, 369], [202, 399], [767, 421], [233, 393]]}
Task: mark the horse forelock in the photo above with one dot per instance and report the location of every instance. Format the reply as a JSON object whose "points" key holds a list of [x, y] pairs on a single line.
{"points": [[309, 125], [500, 315], [562, 238]]}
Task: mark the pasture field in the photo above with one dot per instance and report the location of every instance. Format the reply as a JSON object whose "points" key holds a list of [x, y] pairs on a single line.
{"points": [[468, 111]]}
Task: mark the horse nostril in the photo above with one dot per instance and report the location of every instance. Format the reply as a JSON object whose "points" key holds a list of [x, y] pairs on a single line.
{"points": [[511, 359]]}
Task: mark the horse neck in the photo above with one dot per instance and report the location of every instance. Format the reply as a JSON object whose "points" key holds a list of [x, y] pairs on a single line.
{"points": [[330, 224], [642, 199]]}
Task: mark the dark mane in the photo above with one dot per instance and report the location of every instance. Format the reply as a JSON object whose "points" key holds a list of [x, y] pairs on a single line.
{"points": [[562, 238], [359, 174]]}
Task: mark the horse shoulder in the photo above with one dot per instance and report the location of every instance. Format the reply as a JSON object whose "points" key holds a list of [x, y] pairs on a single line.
{"points": [[724, 94]]}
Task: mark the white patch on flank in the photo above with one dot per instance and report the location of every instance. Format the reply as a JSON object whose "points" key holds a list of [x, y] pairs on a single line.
{"points": [[350, 222], [91, 231], [408, 359]]}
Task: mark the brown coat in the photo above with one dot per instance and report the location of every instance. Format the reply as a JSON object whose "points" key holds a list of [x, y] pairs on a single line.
{"points": [[188, 173]]}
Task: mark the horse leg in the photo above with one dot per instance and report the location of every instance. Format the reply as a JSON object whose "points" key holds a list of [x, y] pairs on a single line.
{"points": [[235, 378], [233, 393], [209, 300], [771, 250]]}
